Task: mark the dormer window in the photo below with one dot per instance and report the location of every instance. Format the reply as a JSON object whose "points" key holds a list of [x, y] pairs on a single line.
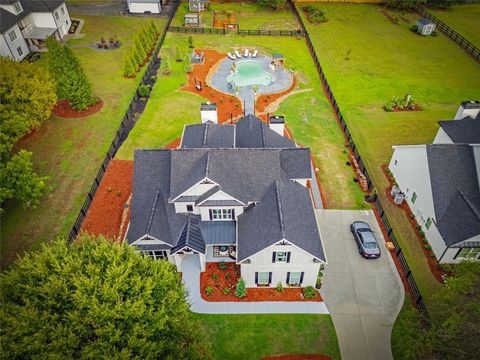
{"points": [[189, 208], [18, 7], [221, 214]]}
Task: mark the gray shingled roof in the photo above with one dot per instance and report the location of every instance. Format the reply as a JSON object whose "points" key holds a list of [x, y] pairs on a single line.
{"points": [[455, 191], [7, 19], [251, 132], [424, 21], [191, 236], [208, 136], [284, 212], [465, 131]]}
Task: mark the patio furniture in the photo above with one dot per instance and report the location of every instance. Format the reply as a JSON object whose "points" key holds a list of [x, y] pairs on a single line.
{"points": [[247, 53], [231, 56], [238, 54], [255, 52]]}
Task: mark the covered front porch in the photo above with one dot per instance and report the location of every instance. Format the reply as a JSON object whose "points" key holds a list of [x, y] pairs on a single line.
{"points": [[36, 37]]}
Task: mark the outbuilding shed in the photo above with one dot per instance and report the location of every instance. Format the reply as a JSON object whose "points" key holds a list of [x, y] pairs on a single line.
{"points": [[144, 6], [425, 26]]}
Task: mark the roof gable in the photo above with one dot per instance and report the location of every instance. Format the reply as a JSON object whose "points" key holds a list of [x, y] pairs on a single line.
{"points": [[464, 131]]}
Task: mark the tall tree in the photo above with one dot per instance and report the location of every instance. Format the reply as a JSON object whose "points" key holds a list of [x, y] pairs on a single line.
{"points": [[27, 97], [72, 83], [95, 299], [404, 4]]}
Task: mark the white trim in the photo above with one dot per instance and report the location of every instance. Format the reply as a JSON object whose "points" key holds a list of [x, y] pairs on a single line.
{"points": [[192, 251], [196, 184], [223, 193], [152, 241], [183, 133]]}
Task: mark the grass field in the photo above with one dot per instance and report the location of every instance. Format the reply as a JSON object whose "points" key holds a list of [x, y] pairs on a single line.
{"points": [[70, 150], [250, 16], [308, 114], [464, 19], [246, 337], [367, 61]]}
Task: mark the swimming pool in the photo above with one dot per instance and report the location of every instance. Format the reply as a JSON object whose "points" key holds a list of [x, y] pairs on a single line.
{"points": [[249, 72]]}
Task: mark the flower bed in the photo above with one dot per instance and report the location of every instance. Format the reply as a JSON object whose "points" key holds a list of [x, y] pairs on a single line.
{"points": [[64, 110], [434, 266], [223, 284]]}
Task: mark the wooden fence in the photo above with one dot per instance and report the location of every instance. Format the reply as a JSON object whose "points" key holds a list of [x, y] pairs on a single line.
{"points": [[466, 45], [238, 31], [417, 297], [122, 132]]}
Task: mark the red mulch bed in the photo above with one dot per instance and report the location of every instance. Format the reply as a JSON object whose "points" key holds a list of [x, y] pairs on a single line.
{"points": [[296, 357], [395, 109], [105, 214], [229, 277], [264, 100], [434, 266], [174, 144], [227, 105], [63, 109]]}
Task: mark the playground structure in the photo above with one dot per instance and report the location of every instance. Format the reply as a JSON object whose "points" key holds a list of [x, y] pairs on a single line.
{"points": [[226, 19]]}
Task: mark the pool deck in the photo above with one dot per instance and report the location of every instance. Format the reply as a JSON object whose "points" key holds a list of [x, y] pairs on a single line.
{"points": [[218, 79]]}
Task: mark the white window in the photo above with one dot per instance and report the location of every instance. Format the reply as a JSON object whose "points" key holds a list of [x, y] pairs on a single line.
{"points": [[56, 15], [294, 278], [62, 10], [155, 254], [221, 214], [20, 51], [263, 278], [18, 7], [469, 253], [281, 256], [12, 35]]}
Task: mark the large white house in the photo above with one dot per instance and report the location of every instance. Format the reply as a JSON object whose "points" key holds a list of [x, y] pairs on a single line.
{"points": [[26, 24], [441, 185], [229, 193]]}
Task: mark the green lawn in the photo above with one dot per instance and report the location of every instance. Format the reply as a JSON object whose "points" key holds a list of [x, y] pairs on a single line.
{"points": [[70, 151], [464, 19], [247, 337], [308, 114], [250, 16], [367, 61]]}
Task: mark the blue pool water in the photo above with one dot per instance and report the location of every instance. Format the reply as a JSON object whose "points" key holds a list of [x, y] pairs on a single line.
{"points": [[249, 72]]}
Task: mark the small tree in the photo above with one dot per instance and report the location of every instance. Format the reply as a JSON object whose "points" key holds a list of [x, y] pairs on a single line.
{"points": [[165, 66], [154, 28], [190, 42], [128, 69], [139, 49], [240, 289], [93, 298], [178, 54]]}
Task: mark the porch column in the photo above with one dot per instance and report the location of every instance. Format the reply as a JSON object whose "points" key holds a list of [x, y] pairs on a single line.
{"points": [[202, 259]]}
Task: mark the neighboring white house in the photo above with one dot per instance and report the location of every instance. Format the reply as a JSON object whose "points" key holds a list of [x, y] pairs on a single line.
{"points": [[144, 6], [441, 185], [197, 5], [425, 26], [229, 193], [26, 24]]}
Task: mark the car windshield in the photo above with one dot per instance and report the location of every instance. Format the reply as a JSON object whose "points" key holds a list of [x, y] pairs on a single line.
{"points": [[370, 245]]}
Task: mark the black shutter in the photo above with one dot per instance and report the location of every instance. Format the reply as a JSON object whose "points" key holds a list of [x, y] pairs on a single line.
{"points": [[210, 212], [288, 277], [301, 277], [256, 277], [233, 214], [288, 257], [269, 278], [273, 256]]}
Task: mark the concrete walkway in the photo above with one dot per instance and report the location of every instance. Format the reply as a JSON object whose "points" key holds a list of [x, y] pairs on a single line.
{"points": [[363, 296], [316, 190], [191, 280]]}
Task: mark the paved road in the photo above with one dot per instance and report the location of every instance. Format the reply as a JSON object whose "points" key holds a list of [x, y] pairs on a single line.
{"points": [[191, 279], [363, 296]]}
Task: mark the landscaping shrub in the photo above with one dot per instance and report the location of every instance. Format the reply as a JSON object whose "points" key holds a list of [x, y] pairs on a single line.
{"points": [[190, 42], [144, 90], [228, 276], [318, 284], [240, 290], [274, 4], [414, 28], [222, 265], [428, 247], [129, 68], [226, 290], [314, 15], [279, 287], [309, 292], [165, 66], [209, 290], [178, 54], [407, 102], [215, 277], [421, 233]]}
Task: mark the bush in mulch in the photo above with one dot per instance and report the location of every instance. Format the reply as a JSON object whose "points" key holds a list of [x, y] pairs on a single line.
{"points": [[407, 103], [314, 15], [64, 110]]}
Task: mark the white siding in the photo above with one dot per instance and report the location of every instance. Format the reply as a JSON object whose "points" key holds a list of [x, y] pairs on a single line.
{"points": [[435, 240], [198, 189], [302, 181], [43, 19], [63, 23], [209, 115], [4, 49], [462, 112], [300, 261], [205, 211], [19, 42], [210, 258], [442, 137], [140, 8], [449, 255], [181, 207], [278, 128], [409, 166]]}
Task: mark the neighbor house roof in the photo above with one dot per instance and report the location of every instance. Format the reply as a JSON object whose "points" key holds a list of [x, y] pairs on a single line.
{"points": [[455, 191], [424, 21], [280, 214], [466, 131]]}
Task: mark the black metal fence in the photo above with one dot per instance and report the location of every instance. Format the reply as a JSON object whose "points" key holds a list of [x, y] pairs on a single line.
{"points": [[136, 106], [417, 297], [237, 30], [471, 49]]}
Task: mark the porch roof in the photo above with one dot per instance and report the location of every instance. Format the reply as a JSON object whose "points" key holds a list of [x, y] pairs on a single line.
{"points": [[40, 33], [219, 232]]}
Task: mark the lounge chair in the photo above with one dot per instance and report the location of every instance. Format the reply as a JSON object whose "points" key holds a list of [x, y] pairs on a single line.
{"points": [[238, 54], [254, 54], [247, 53], [231, 56]]}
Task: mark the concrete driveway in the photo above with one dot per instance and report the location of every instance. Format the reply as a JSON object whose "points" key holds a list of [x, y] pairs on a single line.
{"points": [[363, 296]]}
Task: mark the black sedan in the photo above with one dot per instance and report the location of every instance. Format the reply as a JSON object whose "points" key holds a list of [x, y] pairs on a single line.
{"points": [[366, 242]]}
